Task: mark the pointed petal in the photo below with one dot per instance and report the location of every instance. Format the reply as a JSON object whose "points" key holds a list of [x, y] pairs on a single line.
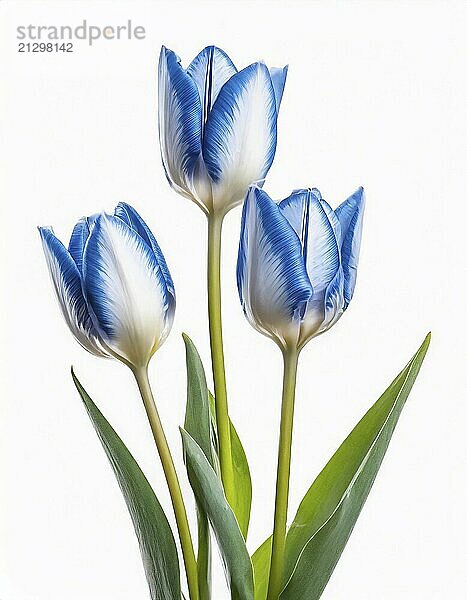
{"points": [[272, 281], [180, 116], [79, 238], [278, 77], [210, 70], [350, 215], [240, 135], [307, 216], [126, 290], [130, 216], [346, 211], [295, 209], [66, 280], [331, 215], [323, 258]]}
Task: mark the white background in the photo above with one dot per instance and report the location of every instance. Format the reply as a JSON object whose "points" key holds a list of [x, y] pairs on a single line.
{"points": [[376, 96]]}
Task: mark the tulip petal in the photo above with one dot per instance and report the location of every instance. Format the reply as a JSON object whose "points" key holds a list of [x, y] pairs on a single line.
{"points": [[240, 135], [350, 215], [126, 290], [334, 303], [295, 209], [321, 316], [79, 238], [272, 281], [331, 215], [67, 284], [210, 70], [131, 217], [278, 77], [307, 216], [180, 115]]}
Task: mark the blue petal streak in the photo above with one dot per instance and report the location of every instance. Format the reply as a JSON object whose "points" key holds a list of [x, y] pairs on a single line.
{"points": [[278, 77], [66, 279], [240, 135], [350, 215], [131, 217], [210, 70], [304, 211], [126, 290], [334, 303], [180, 122], [79, 238], [272, 281]]}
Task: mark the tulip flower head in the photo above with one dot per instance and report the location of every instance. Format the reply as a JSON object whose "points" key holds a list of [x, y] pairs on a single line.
{"points": [[113, 285], [297, 263], [217, 126]]}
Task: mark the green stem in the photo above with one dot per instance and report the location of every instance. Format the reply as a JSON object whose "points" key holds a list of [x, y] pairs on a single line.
{"points": [[217, 354], [173, 484], [283, 474]]}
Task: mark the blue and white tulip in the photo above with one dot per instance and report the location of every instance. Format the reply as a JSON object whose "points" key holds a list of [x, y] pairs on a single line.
{"points": [[297, 263], [217, 126], [113, 285]]}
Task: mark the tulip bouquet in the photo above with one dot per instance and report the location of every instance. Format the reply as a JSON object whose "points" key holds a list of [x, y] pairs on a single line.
{"points": [[296, 274]]}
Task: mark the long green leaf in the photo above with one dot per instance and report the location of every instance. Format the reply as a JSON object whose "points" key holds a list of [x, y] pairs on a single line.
{"points": [[261, 560], [198, 425], [198, 412], [210, 496], [241, 471], [156, 542], [242, 482], [329, 510]]}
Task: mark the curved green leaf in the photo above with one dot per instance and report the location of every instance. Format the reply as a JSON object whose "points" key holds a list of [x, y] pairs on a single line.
{"points": [[210, 496], [198, 412], [329, 510], [198, 425], [261, 560], [156, 542], [241, 471], [242, 482]]}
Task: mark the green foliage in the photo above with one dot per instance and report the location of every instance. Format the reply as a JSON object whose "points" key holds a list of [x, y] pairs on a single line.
{"points": [[198, 425], [330, 508], [241, 471], [261, 560], [156, 541], [210, 497]]}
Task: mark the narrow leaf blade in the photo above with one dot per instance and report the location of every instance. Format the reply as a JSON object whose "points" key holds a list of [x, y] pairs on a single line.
{"points": [[210, 496], [329, 510], [198, 425], [261, 560], [242, 482], [156, 541], [198, 413], [242, 478]]}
